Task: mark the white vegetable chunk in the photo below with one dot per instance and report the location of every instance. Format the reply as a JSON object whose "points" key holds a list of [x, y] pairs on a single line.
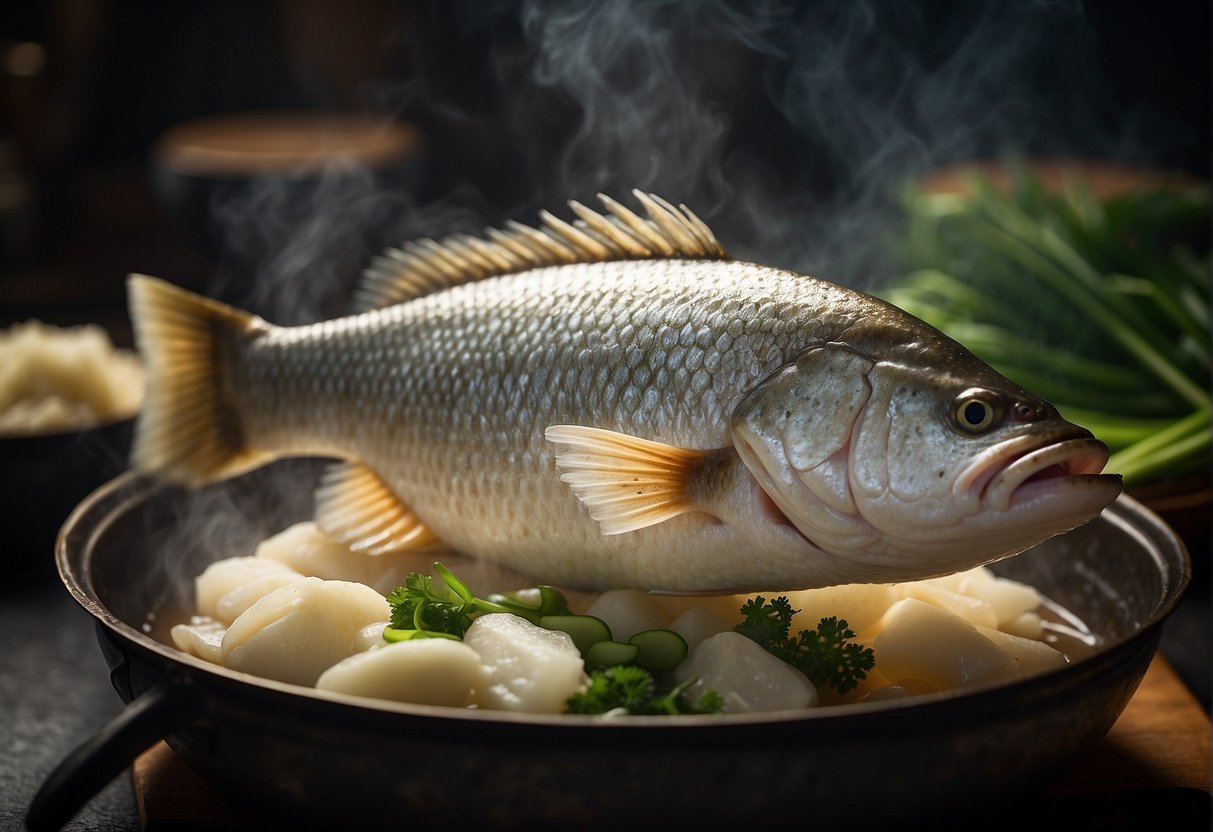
{"points": [[921, 641], [530, 669], [370, 637], [251, 578], [426, 671], [1009, 599], [1032, 656], [697, 624], [309, 551], [726, 606], [1024, 625], [234, 604], [202, 637], [297, 632], [748, 678], [628, 612], [861, 605], [974, 610]]}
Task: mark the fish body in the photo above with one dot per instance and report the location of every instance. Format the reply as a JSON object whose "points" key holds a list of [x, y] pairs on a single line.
{"points": [[675, 421]]}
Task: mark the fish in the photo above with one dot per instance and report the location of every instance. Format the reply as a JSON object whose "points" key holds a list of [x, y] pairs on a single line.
{"points": [[614, 402]]}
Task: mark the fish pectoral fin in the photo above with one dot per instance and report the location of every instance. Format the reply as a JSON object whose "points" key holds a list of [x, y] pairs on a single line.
{"points": [[356, 508], [625, 482]]}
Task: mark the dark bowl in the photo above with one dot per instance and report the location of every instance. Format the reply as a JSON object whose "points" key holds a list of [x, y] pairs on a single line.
{"points": [[128, 552], [42, 478]]}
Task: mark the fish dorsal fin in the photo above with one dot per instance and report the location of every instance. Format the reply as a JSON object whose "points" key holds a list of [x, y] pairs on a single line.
{"points": [[625, 482], [356, 508], [426, 266]]}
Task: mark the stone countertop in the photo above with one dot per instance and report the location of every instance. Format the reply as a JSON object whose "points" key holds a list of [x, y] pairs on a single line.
{"points": [[54, 694]]}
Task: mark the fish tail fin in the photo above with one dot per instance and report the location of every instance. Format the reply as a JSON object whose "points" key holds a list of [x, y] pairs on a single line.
{"points": [[189, 428]]}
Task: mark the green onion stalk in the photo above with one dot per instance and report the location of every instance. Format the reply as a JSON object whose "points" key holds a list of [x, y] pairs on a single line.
{"points": [[1101, 306]]}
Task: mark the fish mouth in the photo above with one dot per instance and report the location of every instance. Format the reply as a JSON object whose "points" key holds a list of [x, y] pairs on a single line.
{"points": [[1025, 472]]}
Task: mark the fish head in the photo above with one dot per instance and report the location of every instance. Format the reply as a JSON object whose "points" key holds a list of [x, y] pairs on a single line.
{"points": [[899, 470]]}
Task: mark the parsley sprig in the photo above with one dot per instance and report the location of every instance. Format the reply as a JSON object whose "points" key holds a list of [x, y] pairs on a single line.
{"points": [[823, 654], [421, 610], [632, 689]]}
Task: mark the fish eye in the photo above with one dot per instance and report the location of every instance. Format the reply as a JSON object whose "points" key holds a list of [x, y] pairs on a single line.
{"points": [[974, 412]]}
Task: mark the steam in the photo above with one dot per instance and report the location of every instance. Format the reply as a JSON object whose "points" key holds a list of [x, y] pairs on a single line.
{"points": [[645, 116], [790, 126], [187, 529], [291, 245]]}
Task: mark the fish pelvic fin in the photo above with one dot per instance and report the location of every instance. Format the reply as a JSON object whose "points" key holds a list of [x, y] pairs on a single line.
{"points": [[356, 508], [424, 267], [189, 428], [625, 482]]}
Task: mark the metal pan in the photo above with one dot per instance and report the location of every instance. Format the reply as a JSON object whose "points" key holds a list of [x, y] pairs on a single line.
{"points": [[328, 760]]}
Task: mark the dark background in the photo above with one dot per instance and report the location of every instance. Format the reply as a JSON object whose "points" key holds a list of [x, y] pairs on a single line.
{"points": [[786, 125]]}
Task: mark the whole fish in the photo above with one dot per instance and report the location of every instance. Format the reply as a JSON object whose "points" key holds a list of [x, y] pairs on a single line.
{"points": [[614, 402]]}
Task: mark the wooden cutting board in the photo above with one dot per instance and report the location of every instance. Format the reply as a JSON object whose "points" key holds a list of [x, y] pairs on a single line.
{"points": [[1161, 741], [1153, 764]]}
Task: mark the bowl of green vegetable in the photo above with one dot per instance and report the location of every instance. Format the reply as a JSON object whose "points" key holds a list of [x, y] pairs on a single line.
{"points": [[1088, 283]]}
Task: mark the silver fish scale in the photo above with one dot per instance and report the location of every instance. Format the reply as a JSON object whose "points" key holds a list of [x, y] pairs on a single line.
{"points": [[448, 396]]}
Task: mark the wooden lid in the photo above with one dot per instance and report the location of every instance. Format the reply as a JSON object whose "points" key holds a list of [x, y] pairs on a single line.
{"points": [[1104, 179], [241, 144]]}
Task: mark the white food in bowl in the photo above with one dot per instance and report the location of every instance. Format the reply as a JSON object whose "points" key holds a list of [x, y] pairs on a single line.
{"points": [[427, 671], [54, 380], [934, 645], [531, 669], [202, 637], [628, 612], [748, 677], [942, 634], [699, 623], [299, 631], [229, 587]]}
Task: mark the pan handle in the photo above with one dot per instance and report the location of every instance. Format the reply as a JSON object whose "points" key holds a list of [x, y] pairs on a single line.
{"points": [[159, 711]]}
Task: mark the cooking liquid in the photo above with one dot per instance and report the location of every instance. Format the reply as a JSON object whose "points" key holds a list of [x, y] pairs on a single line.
{"points": [[1065, 632]]}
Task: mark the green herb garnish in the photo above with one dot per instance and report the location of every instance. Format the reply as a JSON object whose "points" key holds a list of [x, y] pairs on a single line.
{"points": [[1101, 305], [824, 655], [632, 689], [420, 610]]}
